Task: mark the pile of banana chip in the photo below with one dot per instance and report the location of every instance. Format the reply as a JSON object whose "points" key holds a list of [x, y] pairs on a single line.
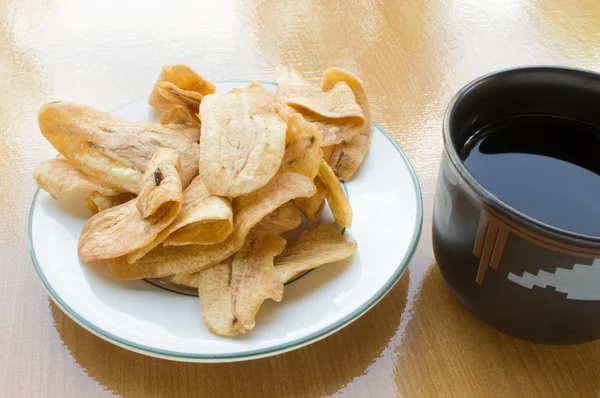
{"points": [[202, 198]]}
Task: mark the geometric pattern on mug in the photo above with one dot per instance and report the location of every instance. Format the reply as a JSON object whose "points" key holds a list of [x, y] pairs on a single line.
{"points": [[489, 243], [580, 283]]}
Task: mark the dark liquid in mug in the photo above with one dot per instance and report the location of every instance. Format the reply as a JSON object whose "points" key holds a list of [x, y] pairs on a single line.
{"points": [[547, 167]]}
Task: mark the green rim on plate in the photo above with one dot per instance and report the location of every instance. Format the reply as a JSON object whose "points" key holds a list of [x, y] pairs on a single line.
{"points": [[281, 348]]}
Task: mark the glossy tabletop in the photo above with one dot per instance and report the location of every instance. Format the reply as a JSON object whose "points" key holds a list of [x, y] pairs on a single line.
{"points": [[413, 55]]}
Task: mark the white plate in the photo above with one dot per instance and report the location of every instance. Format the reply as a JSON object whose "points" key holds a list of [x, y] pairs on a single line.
{"points": [[141, 317]]}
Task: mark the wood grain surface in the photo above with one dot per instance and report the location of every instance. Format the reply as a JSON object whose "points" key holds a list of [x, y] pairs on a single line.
{"points": [[413, 56]]}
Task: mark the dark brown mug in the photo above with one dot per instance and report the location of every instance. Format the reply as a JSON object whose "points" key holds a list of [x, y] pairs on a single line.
{"points": [[523, 277]]}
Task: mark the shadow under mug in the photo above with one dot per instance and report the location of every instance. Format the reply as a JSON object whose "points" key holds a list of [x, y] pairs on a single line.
{"points": [[523, 277]]}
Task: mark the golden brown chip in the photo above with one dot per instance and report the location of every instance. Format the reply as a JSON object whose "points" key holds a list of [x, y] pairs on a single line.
{"points": [[313, 206], [60, 179], [122, 229], [111, 150], [182, 115], [335, 113], [336, 197], [253, 277], [230, 299], [164, 188], [248, 210], [284, 218], [203, 220], [303, 152], [311, 248], [97, 202], [347, 156], [242, 141], [337, 103], [216, 302], [179, 85]]}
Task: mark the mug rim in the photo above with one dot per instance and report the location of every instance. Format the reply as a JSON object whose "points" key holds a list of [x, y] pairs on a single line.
{"points": [[474, 184]]}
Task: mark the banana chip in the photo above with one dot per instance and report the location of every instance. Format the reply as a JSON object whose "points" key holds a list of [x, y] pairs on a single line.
{"points": [[303, 152], [60, 179], [242, 141], [283, 219], [248, 210], [164, 188], [313, 206], [336, 197], [203, 220], [110, 149], [179, 85], [122, 229], [97, 202], [346, 157], [312, 248], [182, 115], [335, 112], [216, 302]]}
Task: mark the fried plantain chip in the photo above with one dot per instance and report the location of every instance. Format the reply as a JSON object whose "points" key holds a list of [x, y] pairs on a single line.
{"points": [[165, 188], [122, 229], [336, 197], [303, 152], [182, 115], [248, 210], [347, 156], [97, 202], [203, 220], [313, 206], [112, 150], [253, 277], [318, 245], [179, 85], [335, 112], [242, 141], [216, 302], [284, 218], [231, 298], [60, 179]]}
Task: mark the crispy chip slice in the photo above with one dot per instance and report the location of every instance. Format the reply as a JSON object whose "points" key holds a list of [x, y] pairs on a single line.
{"points": [[335, 112], [97, 202], [347, 156], [311, 248], [315, 246], [313, 206], [337, 103], [203, 220], [179, 85], [336, 197], [122, 229], [248, 210], [165, 187], [253, 277], [182, 115], [242, 141], [111, 150], [216, 302], [60, 179], [303, 152], [284, 218]]}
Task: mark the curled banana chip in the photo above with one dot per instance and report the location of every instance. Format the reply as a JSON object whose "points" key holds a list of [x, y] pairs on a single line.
{"points": [[111, 150], [123, 229], [97, 202], [179, 85]]}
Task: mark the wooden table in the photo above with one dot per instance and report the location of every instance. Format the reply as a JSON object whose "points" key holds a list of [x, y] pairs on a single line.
{"points": [[412, 54]]}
